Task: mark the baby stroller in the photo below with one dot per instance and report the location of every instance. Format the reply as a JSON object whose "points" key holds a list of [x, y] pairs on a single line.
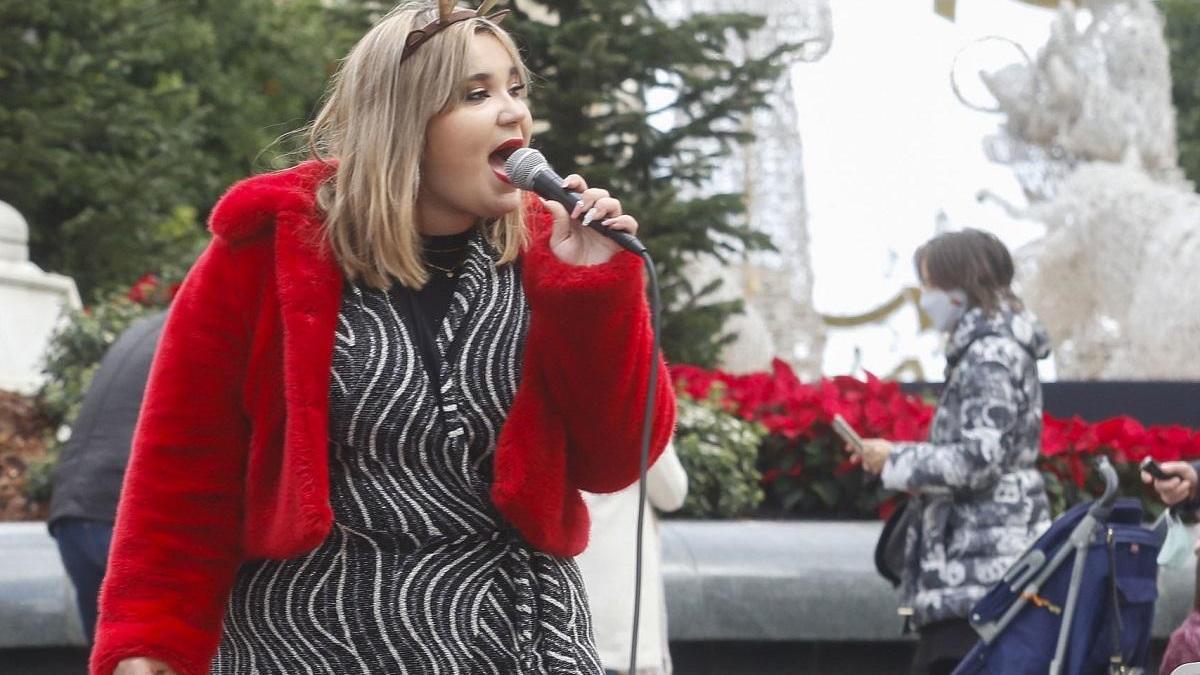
{"points": [[1061, 609]]}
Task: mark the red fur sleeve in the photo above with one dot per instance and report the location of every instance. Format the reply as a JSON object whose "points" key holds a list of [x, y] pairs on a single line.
{"points": [[175, 549], [589, 347]]}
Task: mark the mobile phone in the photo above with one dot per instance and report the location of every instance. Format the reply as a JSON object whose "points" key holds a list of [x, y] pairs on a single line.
{"points": [[1151, 467], [843, 429]]}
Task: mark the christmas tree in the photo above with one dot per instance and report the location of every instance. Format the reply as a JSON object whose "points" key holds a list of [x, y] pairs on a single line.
{"points": [[647, 109]]}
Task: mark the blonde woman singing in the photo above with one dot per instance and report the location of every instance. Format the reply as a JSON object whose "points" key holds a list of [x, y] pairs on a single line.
{"points": [[380, 391]]}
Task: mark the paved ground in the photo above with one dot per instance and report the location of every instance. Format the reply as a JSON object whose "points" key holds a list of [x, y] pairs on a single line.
{"points": [[65, 661], [691, 658]]}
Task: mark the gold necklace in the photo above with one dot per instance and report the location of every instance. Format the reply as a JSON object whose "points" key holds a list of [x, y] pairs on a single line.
{"points": [[448, 271]]}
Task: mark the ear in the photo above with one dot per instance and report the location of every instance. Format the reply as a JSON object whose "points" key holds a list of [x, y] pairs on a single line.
{"points": [[445, 7], [485, 7]]}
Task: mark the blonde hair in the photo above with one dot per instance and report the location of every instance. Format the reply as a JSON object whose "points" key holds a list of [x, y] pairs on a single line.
{"points": [[373, 126]]}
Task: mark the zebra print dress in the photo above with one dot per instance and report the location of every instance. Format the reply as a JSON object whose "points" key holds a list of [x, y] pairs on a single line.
{"points": [[420, 573]]}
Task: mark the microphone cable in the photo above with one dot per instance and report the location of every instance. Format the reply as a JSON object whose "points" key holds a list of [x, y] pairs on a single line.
{"points": [[528, 170], [647, 431]]}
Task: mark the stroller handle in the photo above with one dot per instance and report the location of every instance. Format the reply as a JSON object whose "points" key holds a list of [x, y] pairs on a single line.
{"points": [[1104, 505]]}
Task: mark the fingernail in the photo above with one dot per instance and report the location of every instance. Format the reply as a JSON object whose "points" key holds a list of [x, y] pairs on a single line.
{"points": [[609, 222]]}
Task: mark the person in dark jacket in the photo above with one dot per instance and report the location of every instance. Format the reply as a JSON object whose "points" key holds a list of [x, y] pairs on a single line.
{"points": [[87, 481], [975, 482]]}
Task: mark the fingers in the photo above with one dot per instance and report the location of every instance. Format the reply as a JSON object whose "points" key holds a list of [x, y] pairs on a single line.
{"points": [[598, 199], [625, 223], [1171, 492], [1179, 487], [143, 666], [596, 204], [557, 210], [1181, 469], [575, 183], [597, 211], [874, 455], [873, 464], [562, 223]]}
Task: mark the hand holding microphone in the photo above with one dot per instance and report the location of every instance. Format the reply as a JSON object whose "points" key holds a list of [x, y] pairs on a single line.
{"points": [[602, 227]]}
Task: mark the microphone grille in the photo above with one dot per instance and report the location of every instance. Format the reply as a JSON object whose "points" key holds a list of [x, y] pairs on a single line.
{"points": [[523, 166]]}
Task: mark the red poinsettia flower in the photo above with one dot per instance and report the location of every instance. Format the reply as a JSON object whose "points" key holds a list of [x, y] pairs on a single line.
{"points": [[142, 290], [1054, 436], [1126, 436], [694, 381], [795, 412], [1192, 451], [1169, 444]]}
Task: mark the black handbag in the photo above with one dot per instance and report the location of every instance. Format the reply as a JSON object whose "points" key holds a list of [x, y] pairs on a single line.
{"points": [[889, 550]]}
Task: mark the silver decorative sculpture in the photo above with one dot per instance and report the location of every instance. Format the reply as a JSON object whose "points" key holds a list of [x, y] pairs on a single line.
{"points": [[1090, 133]]}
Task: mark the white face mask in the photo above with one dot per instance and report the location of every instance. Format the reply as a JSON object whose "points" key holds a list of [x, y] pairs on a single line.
{"points": [[944, 308]]}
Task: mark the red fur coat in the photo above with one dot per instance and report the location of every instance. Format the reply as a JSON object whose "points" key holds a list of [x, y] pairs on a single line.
{"points": [[230, 455]]}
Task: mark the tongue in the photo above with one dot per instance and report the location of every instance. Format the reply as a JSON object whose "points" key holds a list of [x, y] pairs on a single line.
{"points": [[496, 161]]}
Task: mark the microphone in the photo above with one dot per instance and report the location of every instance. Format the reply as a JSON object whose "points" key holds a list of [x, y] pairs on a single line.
{"points": [[528, 169]]}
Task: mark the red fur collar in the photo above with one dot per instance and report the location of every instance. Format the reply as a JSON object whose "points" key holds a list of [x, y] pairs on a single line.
{"points": [[253, 204]]}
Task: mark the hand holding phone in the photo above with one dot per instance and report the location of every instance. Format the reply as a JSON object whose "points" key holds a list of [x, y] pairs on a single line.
{"points": [[1151, 467], [1175, 482], [847, 433]]}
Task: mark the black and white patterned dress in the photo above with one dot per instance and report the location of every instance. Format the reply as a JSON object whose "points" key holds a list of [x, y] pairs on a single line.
{"points": [[420, 573]]}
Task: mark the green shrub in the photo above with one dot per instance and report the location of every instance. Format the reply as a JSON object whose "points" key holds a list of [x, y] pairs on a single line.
{"points": [[77, 346], [75, 351], [719, 452]]}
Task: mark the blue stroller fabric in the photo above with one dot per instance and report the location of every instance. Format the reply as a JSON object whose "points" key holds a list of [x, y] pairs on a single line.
{"points": [[1027, 644]]}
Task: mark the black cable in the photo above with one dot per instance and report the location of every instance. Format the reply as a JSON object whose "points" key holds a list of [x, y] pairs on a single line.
{"points": [[647, 430]]}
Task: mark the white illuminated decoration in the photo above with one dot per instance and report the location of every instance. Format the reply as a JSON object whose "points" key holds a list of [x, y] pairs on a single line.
{"points": [[779, 320], [1090, 134]]}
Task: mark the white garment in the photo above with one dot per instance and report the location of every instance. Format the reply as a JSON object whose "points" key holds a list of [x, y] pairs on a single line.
{"points": [[608, 566]]}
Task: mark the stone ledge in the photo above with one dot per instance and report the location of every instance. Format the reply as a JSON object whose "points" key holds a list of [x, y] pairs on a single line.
{"points": [[743, 581], [806, 581], [37, 601]]}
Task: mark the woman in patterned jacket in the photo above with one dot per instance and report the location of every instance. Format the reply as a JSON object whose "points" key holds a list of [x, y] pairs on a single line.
{"points": [[379, 392], [980, 497]]}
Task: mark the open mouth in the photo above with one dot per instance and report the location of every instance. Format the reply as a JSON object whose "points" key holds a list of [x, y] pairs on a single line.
{"points": [[500, 155]]}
